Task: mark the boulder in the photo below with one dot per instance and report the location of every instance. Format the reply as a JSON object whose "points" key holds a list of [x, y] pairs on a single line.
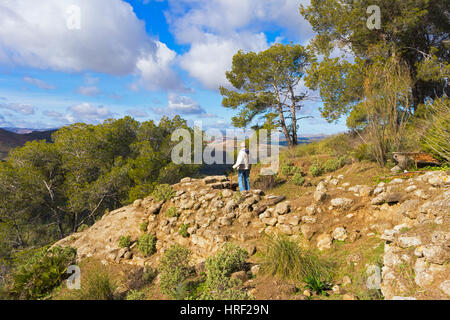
{"points": [[282, 208], [342, 203], [320, 196], [406, 242], [308, 231], [340, 234], [409, 208], [435, 254], [324, 241]]}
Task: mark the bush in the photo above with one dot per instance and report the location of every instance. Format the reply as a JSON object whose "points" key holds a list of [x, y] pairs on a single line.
{"points": [[174, 269], [331, 165], [298, 179], [183, 230], [218, 284], [163, 192], [147, 244], [143, 226], [136, 295], [172, 212], [266, 182], [315, 169], [149, 275], [82, 228], [285, 259], [124, 241], [43, 272], [98, 285]]}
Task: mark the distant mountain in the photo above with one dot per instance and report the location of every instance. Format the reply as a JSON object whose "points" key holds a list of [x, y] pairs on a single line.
{"points": [[10, 139]]}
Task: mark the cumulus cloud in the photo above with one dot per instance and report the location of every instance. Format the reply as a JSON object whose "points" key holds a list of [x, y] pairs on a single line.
{"points": [[22, 108], [156, 71], [83, 112], [39, 83], [182, 105], [111, 39], [217, 29]]}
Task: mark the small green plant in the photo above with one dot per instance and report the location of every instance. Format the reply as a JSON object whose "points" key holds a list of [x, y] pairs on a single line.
{"points": [[174, 269], [124, 241], [298, 179], [163, 192], [143, 227], [43, 272], [98, 285], [172, 212], [82, 228], [316, 284], [183, 230], [136, 295], [149, 274], [147, 244]]}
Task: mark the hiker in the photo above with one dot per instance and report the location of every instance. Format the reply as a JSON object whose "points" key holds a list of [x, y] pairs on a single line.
{"points": [[243, 166]]}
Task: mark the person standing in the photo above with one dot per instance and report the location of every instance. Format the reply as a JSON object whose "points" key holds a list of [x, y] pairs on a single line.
{"points": [[243, 166]]}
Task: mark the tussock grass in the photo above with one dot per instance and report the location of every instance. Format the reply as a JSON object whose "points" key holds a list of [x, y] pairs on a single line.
{"points": [[98, 285], [284, 258]]}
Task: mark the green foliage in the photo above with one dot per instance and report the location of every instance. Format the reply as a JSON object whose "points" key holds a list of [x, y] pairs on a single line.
{"points": [[174, 269], [436, 134], [183, 230], [149, 274], [147, 244], [136, 295], [172, 212], [143, 227], [163, 192], [82, 228], [298, 179], [285, 259], [98, 285], [265, 84], [124, 241], [290, 170], [44, 271], [218, 284], [316, 284], [316, 169], [414, 30]]}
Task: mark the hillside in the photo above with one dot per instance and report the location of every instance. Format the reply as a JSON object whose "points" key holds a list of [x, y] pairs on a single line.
{"points": [[10, 140], [399, 226]]}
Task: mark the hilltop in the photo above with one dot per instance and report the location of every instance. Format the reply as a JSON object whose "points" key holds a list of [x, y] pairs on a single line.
{"points": [[10, 140]]}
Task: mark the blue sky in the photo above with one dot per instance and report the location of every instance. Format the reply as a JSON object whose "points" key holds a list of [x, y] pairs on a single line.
{"points": [[65, 61]]}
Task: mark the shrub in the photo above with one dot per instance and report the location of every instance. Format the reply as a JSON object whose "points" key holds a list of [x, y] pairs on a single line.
{"points": [[98, 285], [143, 227], [43, 272], [316, 169], [124, 241], [285, 259], [331, 165], [264, 182], [317, 284], [298, 179], [218, 284], [136, 295], [163, 192], [149, 275], [174, 269], [172, 212], [147, 244], [82, 228], [183, 230]]}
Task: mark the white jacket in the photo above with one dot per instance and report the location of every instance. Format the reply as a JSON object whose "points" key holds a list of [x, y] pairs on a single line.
{"points": [[242, 161]]}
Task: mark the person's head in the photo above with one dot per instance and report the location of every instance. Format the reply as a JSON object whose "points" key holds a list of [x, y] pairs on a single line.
{"points": [[243, 145]]}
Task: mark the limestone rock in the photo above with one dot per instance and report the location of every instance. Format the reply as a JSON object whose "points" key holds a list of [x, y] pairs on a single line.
{"points": [[320, 195], [342, 203], [435, 254], [282, 208], [340, 234], [324, 241]]}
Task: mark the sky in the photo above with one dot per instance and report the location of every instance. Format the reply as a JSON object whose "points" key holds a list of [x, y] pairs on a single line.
{"points": [[68, 61]]}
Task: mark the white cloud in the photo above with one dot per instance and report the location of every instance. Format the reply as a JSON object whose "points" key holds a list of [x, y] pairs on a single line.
{"points": [[22, 108], [208, 60], [86, 112], [111, 39], [217, 29], [39, 83], [156, 71], [182, 105], [89, 91]]}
